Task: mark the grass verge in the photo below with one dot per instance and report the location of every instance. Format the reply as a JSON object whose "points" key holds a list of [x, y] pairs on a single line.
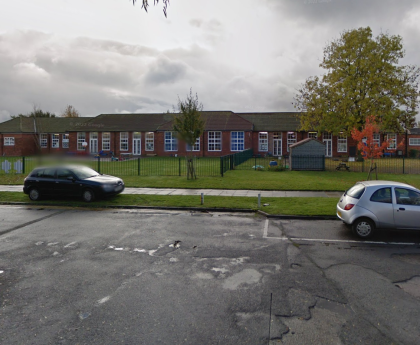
{"points": [[277, 206]]}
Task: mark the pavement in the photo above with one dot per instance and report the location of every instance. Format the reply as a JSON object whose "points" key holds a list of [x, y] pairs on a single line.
{"points": [[213, 192]]}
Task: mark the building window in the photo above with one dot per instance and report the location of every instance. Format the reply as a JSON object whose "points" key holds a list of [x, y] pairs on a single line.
{"points": [[215, 141], [150, 141], [81, 139], [124, 141], [291, 139], [313, 135], [196, 146], [65, 142], [412, 142], [171, 143], [43, 140], [376, 139], [342, 143], [237, 141], [263, 141], [55, 141], [392, 141], [106, 141], [9, 141]]}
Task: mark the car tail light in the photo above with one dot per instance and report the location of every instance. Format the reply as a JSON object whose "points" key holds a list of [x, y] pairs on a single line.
{"points": [[348, 207]]}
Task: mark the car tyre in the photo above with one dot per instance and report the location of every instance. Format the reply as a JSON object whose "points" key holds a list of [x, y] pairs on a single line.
{"points": [[363, 228], [34, 194], [88, 195]]}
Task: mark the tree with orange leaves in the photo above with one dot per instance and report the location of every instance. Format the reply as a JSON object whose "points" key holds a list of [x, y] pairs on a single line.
{"points": [[367, 144]]}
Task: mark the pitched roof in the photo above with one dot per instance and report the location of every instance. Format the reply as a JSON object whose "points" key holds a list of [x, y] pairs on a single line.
{"points": [[127, 122], [273, 122], [304, 141], [42, 124], [218, 121]]}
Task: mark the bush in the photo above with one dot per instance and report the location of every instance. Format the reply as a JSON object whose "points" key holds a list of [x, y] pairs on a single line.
{"points": [[413, 153]]}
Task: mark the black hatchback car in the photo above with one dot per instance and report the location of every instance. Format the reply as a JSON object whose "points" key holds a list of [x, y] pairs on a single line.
{"points": [[72, 181]]}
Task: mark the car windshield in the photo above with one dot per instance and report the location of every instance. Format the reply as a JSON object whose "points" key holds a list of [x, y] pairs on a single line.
{"points": [[356, 191], [84, 172]]}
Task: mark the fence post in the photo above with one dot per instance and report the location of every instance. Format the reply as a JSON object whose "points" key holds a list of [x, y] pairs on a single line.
{"points": [[99, 164], [255, 165], [363, 165], [138, 166], [23, 164], [179, 165], [403, 164], [221, 166]]}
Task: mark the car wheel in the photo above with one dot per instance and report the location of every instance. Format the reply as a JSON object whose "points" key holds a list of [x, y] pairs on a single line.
{"points": [[363, 227], [88, 195], [34, 194]]}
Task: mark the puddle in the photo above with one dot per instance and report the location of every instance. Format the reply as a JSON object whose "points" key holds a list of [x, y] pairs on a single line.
{"points": [[247, 276]]}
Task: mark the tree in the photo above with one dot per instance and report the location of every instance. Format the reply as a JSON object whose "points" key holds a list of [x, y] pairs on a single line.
{"points": [[362, 77], [189, 126], [36, 112], [70, 111], [145, 5], [367, 144]]}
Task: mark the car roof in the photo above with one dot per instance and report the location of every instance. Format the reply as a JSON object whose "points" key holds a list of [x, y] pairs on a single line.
{"points": [[376, 183], [65, 166]]}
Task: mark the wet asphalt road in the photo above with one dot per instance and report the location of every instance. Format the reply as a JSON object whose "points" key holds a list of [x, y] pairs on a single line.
{"points": [[156, 277]]}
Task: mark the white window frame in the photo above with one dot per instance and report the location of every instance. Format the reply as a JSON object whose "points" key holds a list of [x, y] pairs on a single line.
{"points": [[150, 141], [81, 138], [43, 140], [171, 142], [376, 139], [123, 141], [65, 141], [313, 135], [106, 141], [196, 146], [237, 141], [342, 143], [9, 141], [392, 144], [414, 141], [263, 141], [291, 139], [214, 142], [55, 141]]}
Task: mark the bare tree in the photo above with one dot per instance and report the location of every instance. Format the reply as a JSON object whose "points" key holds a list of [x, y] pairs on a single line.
{"points": [[145, 5]]}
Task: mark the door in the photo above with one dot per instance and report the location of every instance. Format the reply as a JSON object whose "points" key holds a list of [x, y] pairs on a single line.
{"points": [[327, 140], [65, 184], [93, 142], [407, 208], [137, 143], [277, 147]]}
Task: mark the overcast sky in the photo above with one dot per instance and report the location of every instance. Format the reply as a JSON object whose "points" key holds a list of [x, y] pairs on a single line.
{"points": [[108, 56]]}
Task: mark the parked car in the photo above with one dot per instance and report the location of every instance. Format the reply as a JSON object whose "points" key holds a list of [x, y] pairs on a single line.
{"points": [[370, 205], [72, 181]]}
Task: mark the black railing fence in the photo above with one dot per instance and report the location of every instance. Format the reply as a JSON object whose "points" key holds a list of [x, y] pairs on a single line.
{"points": [[210, 166]]}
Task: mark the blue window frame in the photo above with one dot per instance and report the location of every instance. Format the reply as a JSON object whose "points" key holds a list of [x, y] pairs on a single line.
{"points": [[171, 143], [237, 141]]}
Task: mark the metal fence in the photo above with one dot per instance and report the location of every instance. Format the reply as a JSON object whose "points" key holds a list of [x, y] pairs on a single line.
{"points": [[205, 166]]}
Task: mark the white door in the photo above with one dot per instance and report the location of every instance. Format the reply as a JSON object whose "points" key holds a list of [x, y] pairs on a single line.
{"points": [[93, 142], [277, 147], [328, 144], [137, 143]]}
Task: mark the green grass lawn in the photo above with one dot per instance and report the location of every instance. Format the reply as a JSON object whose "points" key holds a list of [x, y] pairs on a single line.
{"points": [[277, 206]]}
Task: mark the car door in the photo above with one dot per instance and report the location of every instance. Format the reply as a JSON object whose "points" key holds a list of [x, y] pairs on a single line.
{"points": [[406, 208], [65, 184], [45, 181], [380, 203]]}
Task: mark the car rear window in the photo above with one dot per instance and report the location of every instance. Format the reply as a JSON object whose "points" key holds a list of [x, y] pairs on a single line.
{"points": [[356, 191]]}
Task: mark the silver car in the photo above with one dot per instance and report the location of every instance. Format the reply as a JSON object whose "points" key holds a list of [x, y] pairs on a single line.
{"points": [[369, 205]]}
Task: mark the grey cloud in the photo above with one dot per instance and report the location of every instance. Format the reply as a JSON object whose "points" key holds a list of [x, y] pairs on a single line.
{"points": [[196, 22], [164, 71]]}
